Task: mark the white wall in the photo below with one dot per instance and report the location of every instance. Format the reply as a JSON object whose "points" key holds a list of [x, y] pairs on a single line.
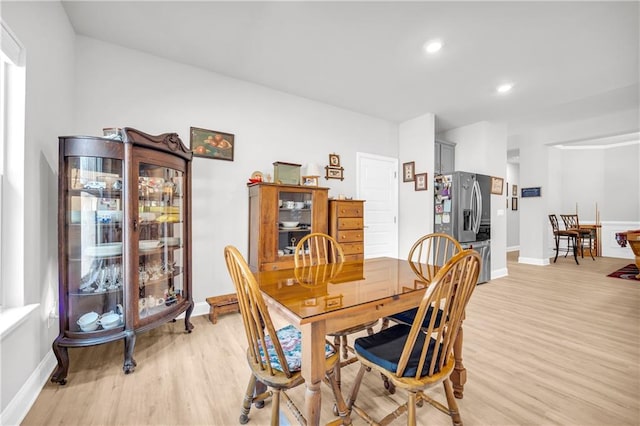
{"points": [[482, 148], [43, 29], [606, 176], [118, 87], [513, 216], [416, 143]]}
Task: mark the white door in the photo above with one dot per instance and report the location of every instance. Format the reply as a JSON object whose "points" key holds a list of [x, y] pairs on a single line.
{"points": [[378, 186]]}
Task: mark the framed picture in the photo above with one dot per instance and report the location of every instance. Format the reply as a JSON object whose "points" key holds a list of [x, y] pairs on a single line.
{"points": [[212, 144], [334, 173], [496, 185], [310, 180], [409, 171], [334, 160], [514, 203], [421, 182], [514, 190]]}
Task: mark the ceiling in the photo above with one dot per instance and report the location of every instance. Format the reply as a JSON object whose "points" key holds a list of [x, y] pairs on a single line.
{"points": [[568, 60]]}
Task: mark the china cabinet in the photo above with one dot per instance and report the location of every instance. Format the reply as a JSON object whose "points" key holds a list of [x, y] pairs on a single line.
{"points": [[346, 225], [279, 216], [124, 239]]}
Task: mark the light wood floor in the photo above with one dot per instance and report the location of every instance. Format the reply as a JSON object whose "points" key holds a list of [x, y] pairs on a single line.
{"points": [[554, 345]]}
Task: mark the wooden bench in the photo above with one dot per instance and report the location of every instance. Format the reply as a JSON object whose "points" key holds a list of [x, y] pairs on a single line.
{"points": [[221, 305]]}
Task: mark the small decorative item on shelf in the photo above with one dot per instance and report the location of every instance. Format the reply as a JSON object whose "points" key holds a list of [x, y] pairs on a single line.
{"points": [[312, 175], [255, 177], [286, 173]]}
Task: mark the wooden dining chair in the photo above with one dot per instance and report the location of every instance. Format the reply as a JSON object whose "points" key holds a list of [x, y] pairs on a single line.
{"points": [[572, 223], [561, 235], [279, 366], [321, 249], [426, 257], [417, 357]]}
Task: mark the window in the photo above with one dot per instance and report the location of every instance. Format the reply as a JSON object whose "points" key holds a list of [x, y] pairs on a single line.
{"points": [[12, 119]]}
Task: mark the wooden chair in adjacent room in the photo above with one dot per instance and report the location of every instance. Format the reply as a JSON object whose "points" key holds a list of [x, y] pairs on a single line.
{"points": [[572, 223], [321, 249], [561, 235], [419, 356], [426, 257], [277, 369]]}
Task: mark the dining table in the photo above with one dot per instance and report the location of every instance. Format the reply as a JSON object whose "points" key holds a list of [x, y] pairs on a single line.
{"points": [[323, 299]]}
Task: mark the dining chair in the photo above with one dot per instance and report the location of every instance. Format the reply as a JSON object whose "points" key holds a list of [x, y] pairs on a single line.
{"points": [[572, 223], [426, 257], [570, 236], [415, 357], [320, 249], [274, 356]]}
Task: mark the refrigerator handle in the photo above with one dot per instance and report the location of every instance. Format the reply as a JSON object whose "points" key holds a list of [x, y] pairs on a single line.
{"points": [[477, 194]]}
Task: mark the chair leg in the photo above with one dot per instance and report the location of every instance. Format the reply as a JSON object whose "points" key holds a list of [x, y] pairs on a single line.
{"points": [[248, 399], [557, 248], [356, 387], [411, 414], [344, 343], [385, 324], [340, 407], [275, 408], [451, 402], [575, 250]]}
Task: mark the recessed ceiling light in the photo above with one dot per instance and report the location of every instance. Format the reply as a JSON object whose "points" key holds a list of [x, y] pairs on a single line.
{"points": [[433, 46], [504, 88]]}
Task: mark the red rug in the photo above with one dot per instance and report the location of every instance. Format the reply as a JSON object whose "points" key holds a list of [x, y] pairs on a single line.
{"points": [[629, 272]]}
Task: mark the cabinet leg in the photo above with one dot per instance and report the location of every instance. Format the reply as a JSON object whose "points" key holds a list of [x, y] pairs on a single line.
{"points": [[129, 343], [62, 355], [187, 324]]}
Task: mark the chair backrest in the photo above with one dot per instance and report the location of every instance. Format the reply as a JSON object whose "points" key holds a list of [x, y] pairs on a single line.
{"points": [[431, 252], [570, 221], [317, 249], [449, 292], [554, 222], [261, 333]]}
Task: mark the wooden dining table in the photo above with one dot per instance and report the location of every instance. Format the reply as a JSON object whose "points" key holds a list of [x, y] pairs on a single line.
{"points": [[328, 298]]}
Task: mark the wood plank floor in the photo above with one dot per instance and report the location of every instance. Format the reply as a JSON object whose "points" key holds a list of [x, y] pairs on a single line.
{"points": [[554, 345]]}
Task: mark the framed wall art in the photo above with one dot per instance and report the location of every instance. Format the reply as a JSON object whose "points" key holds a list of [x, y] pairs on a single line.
{"points": [[334, 173], [514, 191], [421, 182], [514, 203], [496, 185], [334, 160], [408, 171], [212, 144]]}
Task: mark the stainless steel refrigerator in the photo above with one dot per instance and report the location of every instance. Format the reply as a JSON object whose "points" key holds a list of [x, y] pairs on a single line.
{"points": [[463, 210]]}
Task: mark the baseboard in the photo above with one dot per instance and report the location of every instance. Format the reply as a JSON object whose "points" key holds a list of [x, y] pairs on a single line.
{"points": [[199, 308], [533, 261], [499, 273], [513, 248], [21, 403]]}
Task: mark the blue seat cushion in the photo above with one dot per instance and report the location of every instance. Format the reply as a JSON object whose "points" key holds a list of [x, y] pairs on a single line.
{"points": [[384, 349], [408, 316], [291, 341]]}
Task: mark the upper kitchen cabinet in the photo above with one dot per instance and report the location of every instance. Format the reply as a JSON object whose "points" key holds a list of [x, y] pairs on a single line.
{"points": [[445, 155], [124, 239]]}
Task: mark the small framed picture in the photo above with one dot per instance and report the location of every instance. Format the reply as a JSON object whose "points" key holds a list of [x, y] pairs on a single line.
{"points": [[408, 171], [421, 182], [514, 203], [212, 144], [334, 173], [496, 185], [310, 180], [334, 160], [514, 190]]}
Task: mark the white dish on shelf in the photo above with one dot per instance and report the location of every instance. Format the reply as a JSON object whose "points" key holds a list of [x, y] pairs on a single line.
{"points": [[295, 228], [88, 321], [170, 241], [289, 224], [149, 244], [104, 250], [109, 321], [109, 215]]}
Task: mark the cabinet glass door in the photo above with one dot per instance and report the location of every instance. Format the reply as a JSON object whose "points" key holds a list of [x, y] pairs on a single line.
{"points": [[94, 244], [160, 239], [294, 220]]}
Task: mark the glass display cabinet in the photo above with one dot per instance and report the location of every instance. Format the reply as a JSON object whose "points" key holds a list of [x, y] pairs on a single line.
{"points": [[124, 239], [279, 216]]}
